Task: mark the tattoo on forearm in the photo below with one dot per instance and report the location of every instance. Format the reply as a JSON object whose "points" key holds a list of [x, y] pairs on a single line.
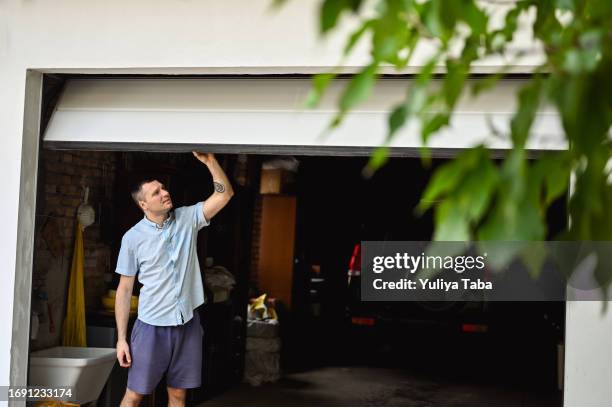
{"points": [[219, 187]]}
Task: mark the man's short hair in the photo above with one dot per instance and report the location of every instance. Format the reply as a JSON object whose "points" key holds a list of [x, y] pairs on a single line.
{"points": [[137, 190]]}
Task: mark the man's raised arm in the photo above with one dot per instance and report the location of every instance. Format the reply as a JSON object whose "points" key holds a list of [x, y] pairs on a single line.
{"points": [[223, 189]]}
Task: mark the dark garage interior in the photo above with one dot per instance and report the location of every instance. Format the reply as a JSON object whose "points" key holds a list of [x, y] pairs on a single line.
{"points": [[290, 232]]}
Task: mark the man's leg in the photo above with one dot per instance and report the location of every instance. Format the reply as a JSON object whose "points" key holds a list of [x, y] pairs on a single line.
{"points": [[151, 353], [185, 370], [131, 399], [176, 397]]}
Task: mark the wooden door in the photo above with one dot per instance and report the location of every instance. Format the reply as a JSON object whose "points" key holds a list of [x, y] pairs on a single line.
{"points": [[276, 247]]}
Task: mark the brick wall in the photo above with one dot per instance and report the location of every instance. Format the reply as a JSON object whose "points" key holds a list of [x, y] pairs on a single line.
{"points": [[255, 237], [62, 179]]}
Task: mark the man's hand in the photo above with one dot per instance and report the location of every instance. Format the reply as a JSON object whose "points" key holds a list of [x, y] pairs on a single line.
{"points": [[123, 353], [205, 158]]}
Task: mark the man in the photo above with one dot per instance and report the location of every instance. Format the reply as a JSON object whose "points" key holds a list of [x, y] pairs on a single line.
{"points": [[161, 248]]}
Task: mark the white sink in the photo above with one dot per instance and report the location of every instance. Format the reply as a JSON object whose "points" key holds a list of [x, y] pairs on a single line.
{"points": [[85, 369]]}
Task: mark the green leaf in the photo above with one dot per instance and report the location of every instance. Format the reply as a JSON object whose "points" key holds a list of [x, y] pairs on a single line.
{"points": [[447, 178], [554, 171], [495, 226], [591, 38], [546, 23], [431, 19], [572, 62], [377, 160], [471, 50], [424, 75], [390, 33], [409, 45], [533, 256], [476, 19], [278, 3], [567, 94], [359, 88], [417, 99], [385, 47], [513, 221], [476, 191], [435, 123], [425, 155], [354, 5], [397, 119], [529, 102], [556, 185], [513, 174], [565, 5], [449, 14], [456, 72], [330, 12], [444, 180], [451, 224], [320, 82], [530, 224], [590, 49], [511, 23], [356, 36]]}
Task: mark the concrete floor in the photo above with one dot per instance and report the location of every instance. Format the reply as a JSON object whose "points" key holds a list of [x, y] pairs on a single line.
{"points": [[377, 387]]}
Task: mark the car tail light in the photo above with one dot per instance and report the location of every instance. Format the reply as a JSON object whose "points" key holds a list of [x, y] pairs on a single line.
{"points": [[365, 321], [354, 268], [474, 328]]}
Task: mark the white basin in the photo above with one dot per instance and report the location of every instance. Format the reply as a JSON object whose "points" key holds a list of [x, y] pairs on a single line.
{"points": [[85, 369]]}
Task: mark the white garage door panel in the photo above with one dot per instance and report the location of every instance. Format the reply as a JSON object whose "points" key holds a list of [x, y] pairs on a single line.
{"points": [[263, 113]]}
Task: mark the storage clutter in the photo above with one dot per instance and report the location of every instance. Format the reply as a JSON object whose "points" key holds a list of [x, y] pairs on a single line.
{"points": [[278, 175], [108, 302], [218, 280], [263, 343], [55, 403]]}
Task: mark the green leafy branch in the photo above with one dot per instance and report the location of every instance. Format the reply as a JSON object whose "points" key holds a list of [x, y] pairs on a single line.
{"points": [[473, 196]]}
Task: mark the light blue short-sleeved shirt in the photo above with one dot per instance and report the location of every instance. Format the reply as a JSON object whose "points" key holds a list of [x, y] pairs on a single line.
{"points": [[166, 261]]}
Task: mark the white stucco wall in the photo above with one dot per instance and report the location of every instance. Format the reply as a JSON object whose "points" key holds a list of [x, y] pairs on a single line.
{"points": [[588, 355], [189, 36]]}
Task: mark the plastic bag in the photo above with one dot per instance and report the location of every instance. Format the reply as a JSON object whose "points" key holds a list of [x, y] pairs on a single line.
{"points": [[258, 310]]}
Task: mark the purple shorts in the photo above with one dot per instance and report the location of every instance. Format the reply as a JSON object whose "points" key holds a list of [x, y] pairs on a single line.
{"points": [[174, 350]]}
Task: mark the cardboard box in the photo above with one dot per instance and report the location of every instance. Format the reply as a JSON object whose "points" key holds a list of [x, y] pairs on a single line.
{"points": [[276, 181]]}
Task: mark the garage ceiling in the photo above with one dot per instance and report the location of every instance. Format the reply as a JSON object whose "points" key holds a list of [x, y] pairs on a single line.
{"points": [[266, 116]]}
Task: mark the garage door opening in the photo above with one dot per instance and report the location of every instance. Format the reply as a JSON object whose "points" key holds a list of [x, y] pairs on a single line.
{"points": [[292, 231], [335, 349]]}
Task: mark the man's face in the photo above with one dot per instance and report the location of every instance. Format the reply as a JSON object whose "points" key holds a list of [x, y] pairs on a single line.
{"points": [[155, 198]]}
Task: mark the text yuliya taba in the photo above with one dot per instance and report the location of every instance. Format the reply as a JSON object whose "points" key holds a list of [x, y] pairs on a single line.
{"points": [[435, 284]]}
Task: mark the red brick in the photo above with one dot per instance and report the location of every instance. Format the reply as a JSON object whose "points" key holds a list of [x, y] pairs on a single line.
{"points": [[54, 166], [52, 200], [52, 178]]}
